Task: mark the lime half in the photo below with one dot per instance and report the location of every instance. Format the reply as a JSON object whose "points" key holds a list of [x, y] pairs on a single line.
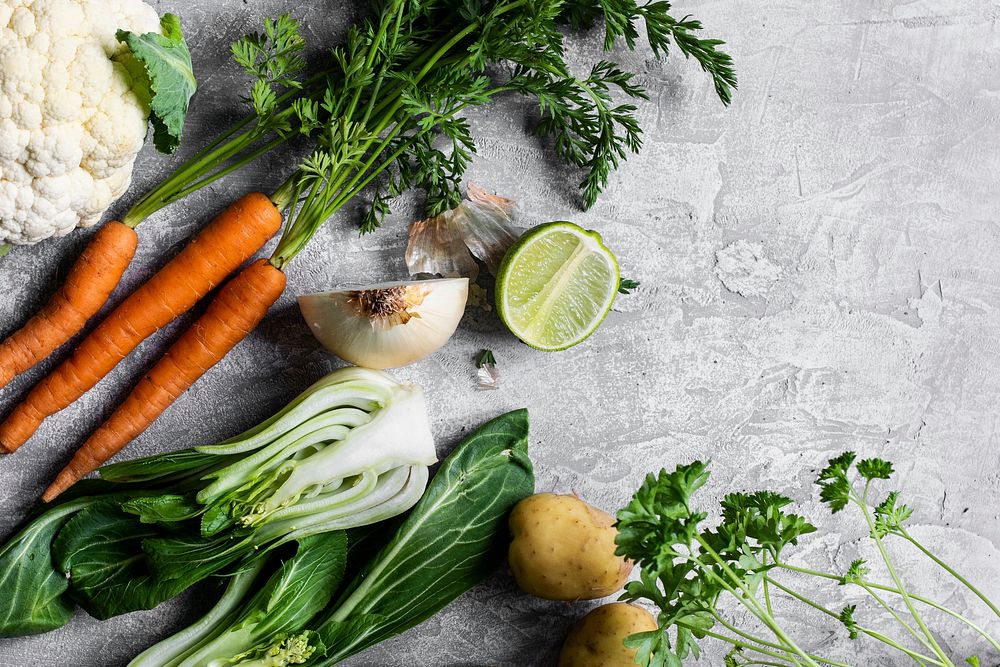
{"points": [[555, 285]]}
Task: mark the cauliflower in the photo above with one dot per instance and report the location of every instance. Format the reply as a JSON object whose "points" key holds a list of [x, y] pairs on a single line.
{"points": [[73, 110]]}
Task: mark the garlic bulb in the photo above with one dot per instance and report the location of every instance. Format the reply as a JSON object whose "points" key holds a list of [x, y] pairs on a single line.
{"points": [[387, 325], [480, 227]]}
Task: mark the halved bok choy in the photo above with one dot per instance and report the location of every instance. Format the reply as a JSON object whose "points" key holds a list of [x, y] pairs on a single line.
{"points": [[351, 450], [452, 539]]}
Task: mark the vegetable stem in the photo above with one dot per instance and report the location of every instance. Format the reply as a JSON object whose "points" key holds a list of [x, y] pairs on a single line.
{"points": [[230, 168], [947, 568], [862, 502], [339, 186], [766, 618], [892, 612], [766, 589], [746, 635], [889, 589], [860, 628], [757, 649]]}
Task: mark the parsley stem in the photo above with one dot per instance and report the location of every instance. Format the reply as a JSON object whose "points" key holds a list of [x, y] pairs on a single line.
{"points": [[744, 600], [918, 658], [801, 598], [889, 589], [892, 612], [871, 633], [766, 618], [767, 591], [862, 502], [746, 635], [750, 647], [902, 532]]}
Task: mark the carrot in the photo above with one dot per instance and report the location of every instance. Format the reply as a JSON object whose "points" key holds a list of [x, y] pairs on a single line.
{"points": [[230, 317], [89, 284], [230, 239]]}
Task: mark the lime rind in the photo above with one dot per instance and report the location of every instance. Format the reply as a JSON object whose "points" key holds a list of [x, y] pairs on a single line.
{"points": [[556, 285]]}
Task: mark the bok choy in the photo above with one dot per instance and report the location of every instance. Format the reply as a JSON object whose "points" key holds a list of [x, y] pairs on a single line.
{"points": [[353, 447], [350, 451], [453, 539], [278, 611]]}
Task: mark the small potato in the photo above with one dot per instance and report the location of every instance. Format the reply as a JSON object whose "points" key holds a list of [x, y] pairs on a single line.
{"points": [[597, 639], [564, 549]]}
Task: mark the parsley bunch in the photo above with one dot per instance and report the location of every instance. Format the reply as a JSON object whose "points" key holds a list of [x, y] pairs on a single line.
{"points": [[694, 573]]}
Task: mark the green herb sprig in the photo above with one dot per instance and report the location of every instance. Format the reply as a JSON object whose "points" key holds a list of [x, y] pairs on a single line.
{"points": [[394, 116], [627, 286], [694, 573]]}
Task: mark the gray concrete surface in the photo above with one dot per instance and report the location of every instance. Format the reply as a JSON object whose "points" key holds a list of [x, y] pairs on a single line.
{"points": [[819, 269]]}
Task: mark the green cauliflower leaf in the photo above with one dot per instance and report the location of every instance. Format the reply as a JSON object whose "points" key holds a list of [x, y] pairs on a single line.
{"points": [[163, 77]]}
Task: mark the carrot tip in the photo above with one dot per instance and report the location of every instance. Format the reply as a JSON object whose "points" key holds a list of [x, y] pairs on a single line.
{"points": [[53, 491]]}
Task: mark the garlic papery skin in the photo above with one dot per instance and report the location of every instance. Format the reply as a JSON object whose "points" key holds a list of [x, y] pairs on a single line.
{"points": [[480, 227], [387, 325]]}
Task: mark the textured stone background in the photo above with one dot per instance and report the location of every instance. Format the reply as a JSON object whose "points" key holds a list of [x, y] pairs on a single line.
{"points": [[819, 273]]}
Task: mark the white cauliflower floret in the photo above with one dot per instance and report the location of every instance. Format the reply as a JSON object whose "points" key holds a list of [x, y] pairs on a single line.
{"points": [[70, 123]]}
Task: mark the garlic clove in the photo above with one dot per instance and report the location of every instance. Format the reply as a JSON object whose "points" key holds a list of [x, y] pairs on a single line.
{"points": [[389, 324]]}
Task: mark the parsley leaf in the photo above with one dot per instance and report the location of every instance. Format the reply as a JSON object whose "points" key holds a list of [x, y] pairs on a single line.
{"points": [[874, 469], [627, 286], [856, 572], [847, 618], [835, 487], [890, 516]]}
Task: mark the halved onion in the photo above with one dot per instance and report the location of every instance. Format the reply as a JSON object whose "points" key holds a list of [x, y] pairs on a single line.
{"points": [[387, 325]]}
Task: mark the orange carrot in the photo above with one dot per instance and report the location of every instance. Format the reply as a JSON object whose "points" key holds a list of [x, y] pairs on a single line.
{"points": [[230, 239], [231, 316], [89, 284]]}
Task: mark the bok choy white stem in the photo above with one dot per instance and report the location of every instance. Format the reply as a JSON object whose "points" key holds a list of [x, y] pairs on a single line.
{"points": [[350, 445], [352, 448]]}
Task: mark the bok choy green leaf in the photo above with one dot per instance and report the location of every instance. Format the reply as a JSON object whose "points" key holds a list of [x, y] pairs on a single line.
{"points": [[453, 539], [275, 617], [37, 597]]}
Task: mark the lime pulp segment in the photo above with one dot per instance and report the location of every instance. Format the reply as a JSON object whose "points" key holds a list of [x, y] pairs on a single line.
{"points": [[556, 286]]}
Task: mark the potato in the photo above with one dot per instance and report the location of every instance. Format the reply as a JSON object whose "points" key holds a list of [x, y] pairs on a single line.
{"points": [[564, 549], [597, 639]]}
